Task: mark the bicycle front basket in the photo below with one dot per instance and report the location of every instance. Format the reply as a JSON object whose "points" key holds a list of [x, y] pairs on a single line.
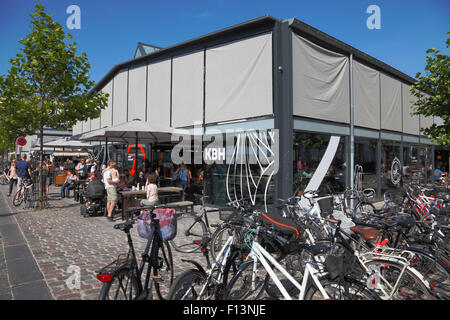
{"points": [[167, 223]]}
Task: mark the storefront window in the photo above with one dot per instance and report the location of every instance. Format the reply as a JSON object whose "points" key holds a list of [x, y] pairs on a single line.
{"points": [[244, 182], [414, 169], [366, 157], [309, 149], [389, 151]]}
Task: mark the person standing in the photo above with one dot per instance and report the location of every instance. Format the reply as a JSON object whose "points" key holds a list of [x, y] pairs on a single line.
{"points": [[12, 174], [183, 176], [111, 179]]}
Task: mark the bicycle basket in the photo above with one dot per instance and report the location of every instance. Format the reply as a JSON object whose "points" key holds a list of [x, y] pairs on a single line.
{"points": [[167, 223], [326, 205], [227, 214]]}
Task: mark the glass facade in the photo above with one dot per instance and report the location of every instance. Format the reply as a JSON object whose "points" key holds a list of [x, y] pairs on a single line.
{"points": [[309, 149], [414, 163], [366, 156], [389, 151]]}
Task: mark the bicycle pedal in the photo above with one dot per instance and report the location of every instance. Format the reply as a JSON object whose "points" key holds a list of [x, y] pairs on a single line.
{"points": [[157, 279]]}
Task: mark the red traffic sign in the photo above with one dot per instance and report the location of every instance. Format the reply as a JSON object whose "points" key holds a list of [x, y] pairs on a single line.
{"points": [[21, 142]]}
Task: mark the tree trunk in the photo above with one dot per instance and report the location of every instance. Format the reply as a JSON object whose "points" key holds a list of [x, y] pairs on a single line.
{"points": [[41, 161]]}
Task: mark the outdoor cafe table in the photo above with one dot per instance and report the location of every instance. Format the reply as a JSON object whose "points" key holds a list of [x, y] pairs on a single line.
{"points": [[128, 194]]}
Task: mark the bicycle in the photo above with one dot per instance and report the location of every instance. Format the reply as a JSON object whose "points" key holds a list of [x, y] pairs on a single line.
{"points": [[250, 281], [194, 227], [122, 279], [24, 193], [4, 179], [198, 284], [388, 271]]}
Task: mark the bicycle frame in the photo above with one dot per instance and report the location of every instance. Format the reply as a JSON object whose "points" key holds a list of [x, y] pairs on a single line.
{"points": [[258, 253], [223, 257]]}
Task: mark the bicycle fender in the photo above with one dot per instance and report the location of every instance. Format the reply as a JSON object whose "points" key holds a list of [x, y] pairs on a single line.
{"points": [[196, 264]]}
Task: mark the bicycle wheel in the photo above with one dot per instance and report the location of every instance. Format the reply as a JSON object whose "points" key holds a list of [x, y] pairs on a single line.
{"points": [[18, 198], [123, 286], [337, 290], [409, 285], [190, 232], [220, 237], [187, 285], [247, 284], [433, 269], [163, 275]]}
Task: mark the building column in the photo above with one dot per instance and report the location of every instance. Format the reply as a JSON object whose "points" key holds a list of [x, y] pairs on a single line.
{"points": [[283, 107]]}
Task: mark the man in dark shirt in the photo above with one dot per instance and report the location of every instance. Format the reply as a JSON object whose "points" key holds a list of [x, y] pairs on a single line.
{"points": [[23, 169]]}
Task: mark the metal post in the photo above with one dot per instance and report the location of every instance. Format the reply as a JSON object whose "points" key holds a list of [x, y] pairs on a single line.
{"points": [[282, 90], [136, 175], [352, 128]]}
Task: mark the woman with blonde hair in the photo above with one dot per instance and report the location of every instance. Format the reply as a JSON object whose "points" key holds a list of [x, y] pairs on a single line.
{"points": [[12, 174]]}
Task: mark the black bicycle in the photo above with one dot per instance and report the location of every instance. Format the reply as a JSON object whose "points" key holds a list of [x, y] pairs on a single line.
{"points": [[122, 279]]}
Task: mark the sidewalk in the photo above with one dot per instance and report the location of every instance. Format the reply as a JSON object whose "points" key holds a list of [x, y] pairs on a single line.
{"points": [[20, 276]]}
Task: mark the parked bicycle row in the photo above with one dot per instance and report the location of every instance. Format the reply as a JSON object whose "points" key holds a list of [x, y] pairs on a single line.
{"points": [[313, 247]]}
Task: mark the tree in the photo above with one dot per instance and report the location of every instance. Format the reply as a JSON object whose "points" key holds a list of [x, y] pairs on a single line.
{"points": [[433, 93], [48, 84]]}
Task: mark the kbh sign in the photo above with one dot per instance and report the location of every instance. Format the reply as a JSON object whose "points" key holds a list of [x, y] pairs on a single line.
{"points": [[232, 147]]}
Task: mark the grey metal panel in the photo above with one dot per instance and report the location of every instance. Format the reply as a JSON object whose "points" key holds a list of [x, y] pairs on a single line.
{"points": [[391, 136], [314, 126], [366, 133], [137, 92], [158, 93], [239, 79], [367, 96], [120, 97], [243, 125], [408, 138], [187, 89], [391, 103], [410, 123], [438, 121], [106, 114], [77, 128], [95, 123], [320, 82], [425, 122]]}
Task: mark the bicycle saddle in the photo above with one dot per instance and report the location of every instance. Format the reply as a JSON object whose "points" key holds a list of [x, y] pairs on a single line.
{"points": [[124, 226], [368, 233]]}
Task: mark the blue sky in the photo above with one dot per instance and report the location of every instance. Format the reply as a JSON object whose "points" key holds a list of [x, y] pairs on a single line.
{"points": [[110, 29]]}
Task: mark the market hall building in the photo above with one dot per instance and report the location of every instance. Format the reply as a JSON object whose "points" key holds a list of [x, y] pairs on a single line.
{"points": [[275, 74]]}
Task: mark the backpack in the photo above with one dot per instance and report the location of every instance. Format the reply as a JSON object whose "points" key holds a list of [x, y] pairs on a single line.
{"points": [[95, 189], [167, 223]]}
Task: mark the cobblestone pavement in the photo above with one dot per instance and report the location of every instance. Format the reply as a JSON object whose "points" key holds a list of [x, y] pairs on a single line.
{"points": [[59, 237]]}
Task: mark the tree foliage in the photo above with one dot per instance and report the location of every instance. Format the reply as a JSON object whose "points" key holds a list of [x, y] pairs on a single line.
{"points": [[48, 83], [433, 93]]}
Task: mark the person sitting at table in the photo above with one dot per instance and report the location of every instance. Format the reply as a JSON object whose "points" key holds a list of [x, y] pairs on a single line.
{"points": [[152, 191], [127, 178], [69, 184], [139, 179]]}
